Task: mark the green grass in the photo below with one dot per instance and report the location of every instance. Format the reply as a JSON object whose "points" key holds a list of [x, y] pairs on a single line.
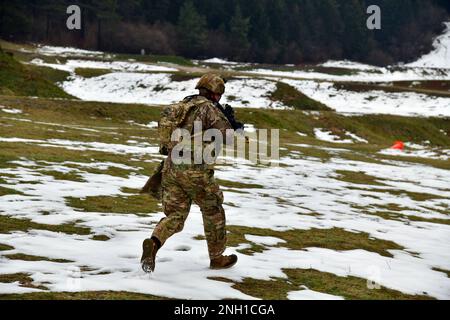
{"points": [[332, 70], [291, 97], [419, 197], [137, 204], [27, 257], [156, 58], [358, 178], [24, 280], [50, 74], [111, 171], [101, 237], [8, 191], [7, 45], [380, 130], [172, 59], [350, 287], [5, 247], [180, 76], [397, 216], [383, 130], [432, 88], [21, 80], [91, 73], [36, 153], [335, 239], [438, 85], [68, 176], [88, 295], [9, 224], [238, 185], [393, 211], [82, 112]]}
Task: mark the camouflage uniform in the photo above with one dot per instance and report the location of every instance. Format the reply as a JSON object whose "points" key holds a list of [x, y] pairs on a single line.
{"points": [[184, 184]]}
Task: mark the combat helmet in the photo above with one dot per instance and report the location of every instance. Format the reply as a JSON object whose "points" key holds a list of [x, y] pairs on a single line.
{"points": [[212, 82]]}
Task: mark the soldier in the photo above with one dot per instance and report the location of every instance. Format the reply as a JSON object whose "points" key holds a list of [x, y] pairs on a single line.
{"points": [[183, 184]]}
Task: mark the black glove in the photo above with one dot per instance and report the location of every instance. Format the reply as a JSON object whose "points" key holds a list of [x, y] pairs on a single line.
{"points": [[229, 113]]}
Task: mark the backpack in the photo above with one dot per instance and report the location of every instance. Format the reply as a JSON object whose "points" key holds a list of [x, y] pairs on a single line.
{"points": [[173, 117]]}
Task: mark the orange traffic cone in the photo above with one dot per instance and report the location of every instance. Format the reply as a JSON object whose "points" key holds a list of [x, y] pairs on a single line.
{"points": [[398, 145]]}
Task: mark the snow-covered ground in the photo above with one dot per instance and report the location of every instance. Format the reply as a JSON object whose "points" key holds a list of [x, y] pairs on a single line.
{"points": [[419, 151], [313, 197], [377, 74], [67, 52], [10, 110], [158, 88], [304, 192], [346, 64], [71, 65], [219, 61], [330, 137], [373, 102]]}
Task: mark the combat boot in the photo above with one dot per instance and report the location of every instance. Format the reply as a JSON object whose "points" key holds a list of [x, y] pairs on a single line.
{"points": [[223, 262], [149, 249]]}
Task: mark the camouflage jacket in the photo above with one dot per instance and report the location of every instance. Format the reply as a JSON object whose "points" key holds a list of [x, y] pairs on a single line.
{"points": [[210, 117]]}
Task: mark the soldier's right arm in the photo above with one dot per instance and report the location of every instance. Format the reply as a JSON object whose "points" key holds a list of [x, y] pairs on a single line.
{"points": [[212, 118]]}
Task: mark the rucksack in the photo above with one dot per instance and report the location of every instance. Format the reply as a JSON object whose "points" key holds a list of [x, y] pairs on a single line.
{"points": [[173, 117]]}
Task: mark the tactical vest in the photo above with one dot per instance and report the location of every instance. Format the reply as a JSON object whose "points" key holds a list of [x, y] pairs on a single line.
{"points": [[173, 117]]}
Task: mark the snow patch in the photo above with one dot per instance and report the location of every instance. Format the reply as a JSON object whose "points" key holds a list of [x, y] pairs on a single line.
{"points": [[118, 66], [307, 294], [152, 125], [10, 110], [219, 61], [67, 51], [323, 135], [141, 148], [345, 64], [419, 151], [440, 56], [373, 102], [268, 241], [158, 89]]}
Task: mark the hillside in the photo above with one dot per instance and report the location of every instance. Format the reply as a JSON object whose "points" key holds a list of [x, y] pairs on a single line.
{"points": [[439, 57], [17, 79], [258, 31], [342, 216]]}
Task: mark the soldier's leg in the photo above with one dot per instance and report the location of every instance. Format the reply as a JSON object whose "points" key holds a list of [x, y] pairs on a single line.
{"points": [[176, 206], [209, 198]]}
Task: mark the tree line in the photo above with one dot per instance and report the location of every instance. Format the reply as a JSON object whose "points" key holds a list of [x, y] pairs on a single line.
{"points": [[267, 31]]}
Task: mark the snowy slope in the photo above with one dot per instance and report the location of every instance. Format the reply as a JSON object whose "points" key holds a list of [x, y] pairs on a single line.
{"points": [[147, 83], [440, 56], [373, 102]]}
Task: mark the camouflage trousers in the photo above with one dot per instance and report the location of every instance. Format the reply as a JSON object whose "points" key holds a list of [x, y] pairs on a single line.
{"points": [[181, 187]]}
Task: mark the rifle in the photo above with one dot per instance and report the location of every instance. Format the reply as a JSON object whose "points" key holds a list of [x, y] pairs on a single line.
{"points": [[229, 113]]}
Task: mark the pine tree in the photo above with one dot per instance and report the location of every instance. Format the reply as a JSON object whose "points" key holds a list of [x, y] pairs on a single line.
{"points": [[239, 28], [191, 29], [356, 36]]}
